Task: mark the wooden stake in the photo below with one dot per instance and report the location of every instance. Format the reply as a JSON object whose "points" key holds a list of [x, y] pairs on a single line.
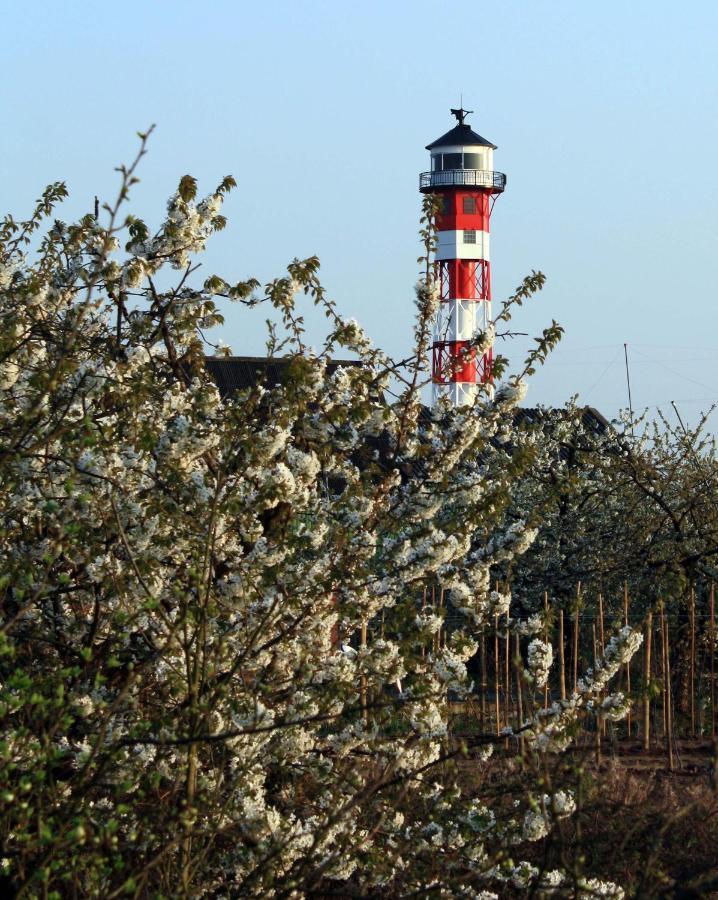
{"points": [[669, 698], [363, 682], [602, 643], [507, 677], [519, 699], [561, 656], [484, 679], [693, 662], [545, 638], [713, 658], [647, 683], [661, 624], [442, 630], [423, 607], [598, 720], [628, 664], [497, 674], [576, 627], [667, 691]]}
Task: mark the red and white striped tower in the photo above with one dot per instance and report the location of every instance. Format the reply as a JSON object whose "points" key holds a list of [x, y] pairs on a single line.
{"points": [[462, 173]]}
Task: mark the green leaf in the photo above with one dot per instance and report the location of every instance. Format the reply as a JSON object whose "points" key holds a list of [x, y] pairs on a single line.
{"points": [[187, 188]]}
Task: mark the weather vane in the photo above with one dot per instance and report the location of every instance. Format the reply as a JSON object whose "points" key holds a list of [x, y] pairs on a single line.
{"points": [[461, 114]]}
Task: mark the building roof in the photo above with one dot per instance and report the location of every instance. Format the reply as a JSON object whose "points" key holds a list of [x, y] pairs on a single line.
{"points": [[236, 373], [591, 419], [461, 135]]}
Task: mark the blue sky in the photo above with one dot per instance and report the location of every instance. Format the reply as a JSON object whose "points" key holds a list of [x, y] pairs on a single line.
{"points": [[604, 115]]}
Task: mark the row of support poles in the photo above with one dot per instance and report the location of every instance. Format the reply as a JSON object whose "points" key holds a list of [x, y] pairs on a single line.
{"points": [[679, 648]]}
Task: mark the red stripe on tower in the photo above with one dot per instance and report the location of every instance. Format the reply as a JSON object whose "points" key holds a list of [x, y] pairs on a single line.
{"points": [[462, 173]]}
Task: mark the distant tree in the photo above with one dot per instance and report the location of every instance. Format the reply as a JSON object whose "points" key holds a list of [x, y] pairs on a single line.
{"points": [[633, 502], [176, 719], [631, 507]]}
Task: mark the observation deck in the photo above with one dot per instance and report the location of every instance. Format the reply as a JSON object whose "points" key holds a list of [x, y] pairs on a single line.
{"points": [[480, 178]]}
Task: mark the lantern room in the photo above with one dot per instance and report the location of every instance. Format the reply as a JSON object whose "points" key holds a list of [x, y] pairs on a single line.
{"points": [[462, 157]]}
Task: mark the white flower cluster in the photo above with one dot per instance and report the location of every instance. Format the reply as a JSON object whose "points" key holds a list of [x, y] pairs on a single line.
{"points": [[529, 626], [540, 658], [548, 731], [538, 821]]}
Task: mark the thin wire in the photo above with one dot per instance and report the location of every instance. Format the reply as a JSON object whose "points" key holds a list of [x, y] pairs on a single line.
{"points": [[600, 377], [677, 374], [600, 362], [584, 349], [672, 347], [648, 346]]}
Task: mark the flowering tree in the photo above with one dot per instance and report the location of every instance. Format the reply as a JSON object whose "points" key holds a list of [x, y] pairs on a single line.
{"points": [[176, 718], [629, 508]]}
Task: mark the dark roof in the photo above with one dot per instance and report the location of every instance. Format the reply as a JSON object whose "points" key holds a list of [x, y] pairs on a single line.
{"points": [[591, 418], [236, 373], [460, 135]]}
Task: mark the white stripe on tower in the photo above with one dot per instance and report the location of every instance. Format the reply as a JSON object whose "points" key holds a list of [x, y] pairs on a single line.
{"points": [[454, 245], [462, 174]]}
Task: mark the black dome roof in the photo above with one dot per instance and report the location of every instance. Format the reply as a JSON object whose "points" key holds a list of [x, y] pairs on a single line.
{"points": [[460, 135]]}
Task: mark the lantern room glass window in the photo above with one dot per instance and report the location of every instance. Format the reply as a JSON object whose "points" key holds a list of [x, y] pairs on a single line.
{"points": [[443, 161]]}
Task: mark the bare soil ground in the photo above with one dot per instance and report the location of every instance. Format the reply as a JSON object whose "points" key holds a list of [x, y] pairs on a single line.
{"points": [[652, 830]]}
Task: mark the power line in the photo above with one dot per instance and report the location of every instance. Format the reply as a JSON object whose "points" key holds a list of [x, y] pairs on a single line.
{"points": [[710, 387], [600, 377]]}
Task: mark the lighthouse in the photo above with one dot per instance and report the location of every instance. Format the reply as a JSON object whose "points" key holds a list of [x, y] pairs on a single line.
{"points": [[462, 174]]}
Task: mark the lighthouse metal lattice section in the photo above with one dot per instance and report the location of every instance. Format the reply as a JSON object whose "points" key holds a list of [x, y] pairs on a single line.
{"points": [[462, 174]]}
